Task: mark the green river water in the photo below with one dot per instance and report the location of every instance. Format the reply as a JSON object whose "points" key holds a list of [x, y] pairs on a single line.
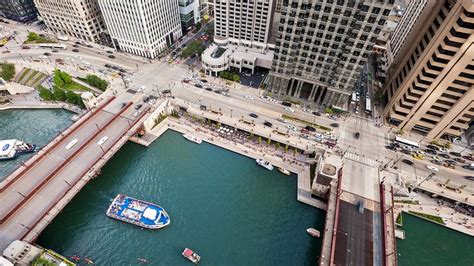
{"points": [[221, 204]]}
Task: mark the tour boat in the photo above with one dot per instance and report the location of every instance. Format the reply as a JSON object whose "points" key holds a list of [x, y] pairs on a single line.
{"points": [[284, 171], [265, 164], [138, 212], [190, 255], [143, 260], [313, 232], [11, 148], [192, 138]]}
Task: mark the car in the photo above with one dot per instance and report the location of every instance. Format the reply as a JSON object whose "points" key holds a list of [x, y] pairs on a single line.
{"points": [[453, 162], [136, 113], [285, 103], [25, 47], [444, 155], [433, 147], [289, 109], [47, 54], [102, 140], [316, 113], [122, 105], [253, 115], [432, 168], [457, 154], [204, 80], [438, 162], [108, 65], [197, 85], [417, 156], [75, 50], [166, 91], [468, 167], [89, 46], [430, 151], [146, 99], [203, 107], [459, 160], [122, 70], [357, 135], [281, 120], [217, 91], [111, 56], [468, 157], [54, 51], [406, 151], [75, 46], [406, 161], [109, 52], [390, 147], [138, 106], [208, 89], [76, 43], [186, 80], [310, 128], [249, 97], [268, 124], [448, 165], [469, 177], [334, 124], [291, 127]]}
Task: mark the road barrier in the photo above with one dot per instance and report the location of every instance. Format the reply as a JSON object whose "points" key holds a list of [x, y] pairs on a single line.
{"points": [[336, 216], [36, 159], [61, 166], [382, 214]]}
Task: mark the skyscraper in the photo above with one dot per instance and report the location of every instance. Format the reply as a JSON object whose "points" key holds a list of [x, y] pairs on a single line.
{"points": [[78, 18], [431, 88], [322, 46], [142, 27], [19, 10]]}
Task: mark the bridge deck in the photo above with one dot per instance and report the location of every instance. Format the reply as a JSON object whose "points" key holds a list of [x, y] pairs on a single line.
{"points": [[26, 200]]}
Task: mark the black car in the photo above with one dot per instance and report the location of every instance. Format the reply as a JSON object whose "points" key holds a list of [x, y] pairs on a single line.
{"points": [[316, 113], [444, 155], [459, 160], [111, 56], [109, 52], [54, 51], [391, 147], [122, 70], [334, 124], [285, 103], [253, 115], [469, 177], [430, 151], [468, 167], [310, 128], [405, 151], [268, 124], [138, 106], [146, 99], [203, 107], [203, 80], [433, 147], [108, 65], [197, 85], [122, 105], [75, 50], [89, 46], [208, 89], [457, 154], [47, 54], [75, 45], [409, 162], [357, 135], [452, 162]]}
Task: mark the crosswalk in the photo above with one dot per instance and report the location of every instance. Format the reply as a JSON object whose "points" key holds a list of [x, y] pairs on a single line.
{"points": [[361, 159]]}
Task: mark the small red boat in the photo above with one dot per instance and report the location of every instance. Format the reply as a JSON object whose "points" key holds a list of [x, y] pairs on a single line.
{"points": [[190, 255]]}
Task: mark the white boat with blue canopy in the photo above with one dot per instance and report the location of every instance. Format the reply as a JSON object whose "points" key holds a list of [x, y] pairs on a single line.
{"points": [[138, 212], [11, 148]]}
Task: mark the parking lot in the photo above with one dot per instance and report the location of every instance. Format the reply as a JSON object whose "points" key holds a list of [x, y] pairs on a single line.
{"points": [[253, 80]]}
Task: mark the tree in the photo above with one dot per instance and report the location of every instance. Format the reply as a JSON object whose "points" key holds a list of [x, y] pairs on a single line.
{"points": [[198, 26], [45, 94], [57, 79], [32, 36], [59, 94], [97, 82], [259, 140], [7, 71]]}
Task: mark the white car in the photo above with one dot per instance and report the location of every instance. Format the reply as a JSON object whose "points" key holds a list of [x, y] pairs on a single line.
{"points": [[102, 140], [71, 144], [42, 57], [291, 127], [141, 88], [249, 97], [432, 168], [289, 109], [136, 113]]}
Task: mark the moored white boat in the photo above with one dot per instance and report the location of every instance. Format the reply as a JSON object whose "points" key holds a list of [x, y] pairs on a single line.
{"points": [[313, 232], [11, 148], [265, 164], [283, 171], [190, 255], [192, 138]]}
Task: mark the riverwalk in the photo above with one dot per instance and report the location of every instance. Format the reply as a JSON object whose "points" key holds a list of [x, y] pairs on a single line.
{"points": [[294, 165], [42, 105]]}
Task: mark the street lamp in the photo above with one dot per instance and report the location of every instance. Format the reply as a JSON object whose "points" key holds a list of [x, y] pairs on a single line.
{"points": [[231, 113]]}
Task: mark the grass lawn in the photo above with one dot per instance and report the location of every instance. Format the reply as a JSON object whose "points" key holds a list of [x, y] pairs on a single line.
{"points": [[38, 78], [306, 123], [75, 87], [430, 217], [27, 70]]}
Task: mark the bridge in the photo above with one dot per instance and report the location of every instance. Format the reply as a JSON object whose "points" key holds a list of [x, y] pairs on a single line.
{"points": [[33, 195]]}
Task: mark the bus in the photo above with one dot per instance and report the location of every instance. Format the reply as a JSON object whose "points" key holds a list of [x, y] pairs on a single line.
{"points": [[53, 45], [406, 143], [368, 106], [62, 38], [354, 97]]}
